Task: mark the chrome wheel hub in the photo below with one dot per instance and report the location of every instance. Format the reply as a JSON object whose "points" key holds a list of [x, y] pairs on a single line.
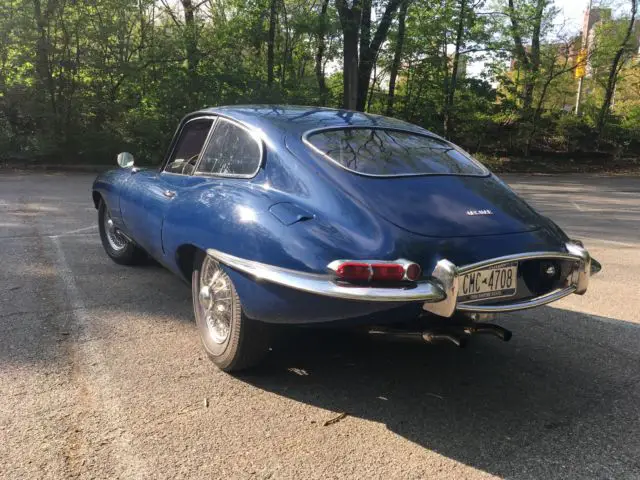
{"points": [[215, 298], [116, 240]]}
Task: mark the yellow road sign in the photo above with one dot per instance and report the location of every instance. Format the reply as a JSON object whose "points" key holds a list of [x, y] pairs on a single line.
{"points": [[581, 61]]}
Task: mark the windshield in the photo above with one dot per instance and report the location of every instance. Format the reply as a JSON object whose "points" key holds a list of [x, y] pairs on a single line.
{"points": [[383, 152]]}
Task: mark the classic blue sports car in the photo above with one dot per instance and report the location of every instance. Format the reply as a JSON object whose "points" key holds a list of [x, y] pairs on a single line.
{"points": [[299, 215]]}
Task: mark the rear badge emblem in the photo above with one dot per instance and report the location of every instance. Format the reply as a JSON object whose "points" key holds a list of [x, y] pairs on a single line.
{"points": [[473, 213]]}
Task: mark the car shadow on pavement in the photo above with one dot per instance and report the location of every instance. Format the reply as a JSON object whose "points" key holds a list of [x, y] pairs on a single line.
{"points": [[560, 400]]}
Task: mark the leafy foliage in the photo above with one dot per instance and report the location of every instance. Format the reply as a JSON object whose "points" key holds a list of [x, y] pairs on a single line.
{"points": [[83, 80]]}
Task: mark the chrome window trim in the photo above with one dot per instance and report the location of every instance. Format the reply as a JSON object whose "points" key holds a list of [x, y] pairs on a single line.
{"points": [[213, 119], [253, 136], [307, 142]]}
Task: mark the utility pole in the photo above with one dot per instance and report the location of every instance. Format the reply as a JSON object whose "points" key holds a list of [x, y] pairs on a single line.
{"points": [[580, 70], [579, 95]]}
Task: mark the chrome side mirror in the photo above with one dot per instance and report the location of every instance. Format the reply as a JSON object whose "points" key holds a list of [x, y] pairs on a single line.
{"points": [[125, 160]]}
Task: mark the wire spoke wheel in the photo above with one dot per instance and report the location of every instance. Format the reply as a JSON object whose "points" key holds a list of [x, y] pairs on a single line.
{"points": [[116, 240], [216, 301], [118, 247], [232, 340]]}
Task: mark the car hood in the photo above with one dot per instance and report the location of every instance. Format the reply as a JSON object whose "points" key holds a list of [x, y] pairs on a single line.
{"points": [[445, 206]]}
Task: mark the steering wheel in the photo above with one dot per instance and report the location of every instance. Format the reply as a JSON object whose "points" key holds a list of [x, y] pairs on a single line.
{"points": [[188, 163]]}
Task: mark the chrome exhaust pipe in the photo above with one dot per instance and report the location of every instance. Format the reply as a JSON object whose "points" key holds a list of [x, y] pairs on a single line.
{"points": [[490, 329], [457, 334], [427, 336], [395, 334], [435, 337]]}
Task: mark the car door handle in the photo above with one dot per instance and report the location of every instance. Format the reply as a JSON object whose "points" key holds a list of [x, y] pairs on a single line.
{"points": [[169, 193]]}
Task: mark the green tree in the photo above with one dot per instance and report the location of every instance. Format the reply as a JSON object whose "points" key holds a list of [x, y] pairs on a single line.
{"points": [[616, 64]]}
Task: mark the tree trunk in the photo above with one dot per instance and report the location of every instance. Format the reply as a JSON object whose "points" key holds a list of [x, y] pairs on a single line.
{"points": [[357, 69], [536, 114], [44, 78], [521, 55], [615, 69], [372, 89], [365, 26], [322, 31], [409, 87], [350, 22], [529, 62], [552, 74], [350, 69], [534, 57], [271, 41], [397, 56], [444, 62], [287, 46], [193, 54], [520, 51], [369, 53], [451, 91], [191, 47], [365, 62]]}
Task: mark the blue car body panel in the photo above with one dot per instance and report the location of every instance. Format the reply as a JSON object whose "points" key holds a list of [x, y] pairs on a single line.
{"points": [[301, 212]]}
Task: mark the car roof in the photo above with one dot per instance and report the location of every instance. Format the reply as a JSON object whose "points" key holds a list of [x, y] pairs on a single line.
{"points": [[294, 119]]}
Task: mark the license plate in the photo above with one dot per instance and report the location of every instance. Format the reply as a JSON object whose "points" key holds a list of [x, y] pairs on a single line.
{"points": [[490, 283]]}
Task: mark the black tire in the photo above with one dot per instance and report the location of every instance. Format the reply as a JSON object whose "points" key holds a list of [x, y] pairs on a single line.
{"points": [[246, 342], [128, 252]]}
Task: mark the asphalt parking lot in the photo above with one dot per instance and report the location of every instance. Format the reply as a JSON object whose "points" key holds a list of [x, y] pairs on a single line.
{"points": [[102, 374]]}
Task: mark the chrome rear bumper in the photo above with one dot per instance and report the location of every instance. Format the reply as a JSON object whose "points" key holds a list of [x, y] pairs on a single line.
{"points": [[438, 293], [447, 274]]}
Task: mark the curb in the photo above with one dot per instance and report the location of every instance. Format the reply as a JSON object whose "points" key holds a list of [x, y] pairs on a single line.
{"points": [[55, 168]]}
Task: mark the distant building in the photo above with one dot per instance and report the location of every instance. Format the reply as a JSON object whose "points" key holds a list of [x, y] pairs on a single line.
{"points": [[594, 19], [591, 17]]}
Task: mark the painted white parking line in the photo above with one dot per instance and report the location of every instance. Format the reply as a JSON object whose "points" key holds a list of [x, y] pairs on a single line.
{"points": [[92, 364], [74, 232]]}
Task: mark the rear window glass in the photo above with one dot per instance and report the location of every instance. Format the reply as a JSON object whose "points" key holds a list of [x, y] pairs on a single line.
{"points": [[389, 152]]}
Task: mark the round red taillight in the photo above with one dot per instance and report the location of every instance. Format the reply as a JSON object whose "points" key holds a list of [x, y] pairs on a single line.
{"points": [[354, 271], [387, 272], [375, 271], [413, 272]]}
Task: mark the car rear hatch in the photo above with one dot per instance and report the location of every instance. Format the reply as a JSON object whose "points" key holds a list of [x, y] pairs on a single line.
{"points": [[443, 205], [420, 182]]}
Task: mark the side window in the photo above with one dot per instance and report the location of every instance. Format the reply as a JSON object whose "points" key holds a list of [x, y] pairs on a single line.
{"points": [[185, 154], [231, 151]]}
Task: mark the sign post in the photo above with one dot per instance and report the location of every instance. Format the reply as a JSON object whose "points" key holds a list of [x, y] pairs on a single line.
{"points": [[579, 73]]}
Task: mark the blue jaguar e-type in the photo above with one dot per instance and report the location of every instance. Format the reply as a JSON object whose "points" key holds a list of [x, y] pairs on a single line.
{"points": [[299, 215]]}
